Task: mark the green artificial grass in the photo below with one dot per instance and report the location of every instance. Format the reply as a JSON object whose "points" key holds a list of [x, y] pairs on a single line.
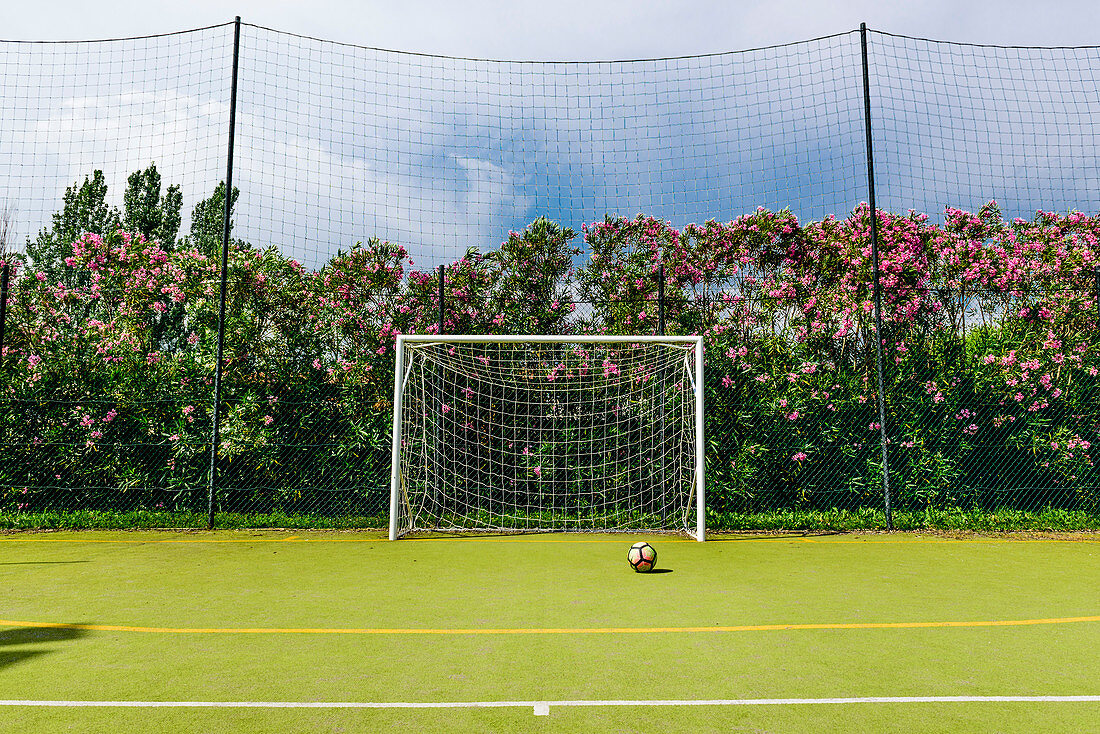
{"points": [[341, 585]]}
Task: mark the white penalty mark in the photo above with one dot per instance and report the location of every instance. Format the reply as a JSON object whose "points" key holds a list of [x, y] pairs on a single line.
{"points": [[542, 708]]}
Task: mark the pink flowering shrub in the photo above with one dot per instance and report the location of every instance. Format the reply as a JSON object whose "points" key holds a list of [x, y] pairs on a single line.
{"points": [[989, 349], [620, 281], [531, 294]]}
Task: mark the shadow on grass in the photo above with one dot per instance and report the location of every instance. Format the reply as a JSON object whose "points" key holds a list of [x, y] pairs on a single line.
{"points": [[33, 636]]}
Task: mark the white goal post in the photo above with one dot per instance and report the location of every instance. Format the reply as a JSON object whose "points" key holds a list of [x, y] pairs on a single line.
{"points": [[548, 433]]}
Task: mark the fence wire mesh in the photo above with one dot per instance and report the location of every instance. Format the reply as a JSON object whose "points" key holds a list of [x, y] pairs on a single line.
{"points": [[717, 194]]}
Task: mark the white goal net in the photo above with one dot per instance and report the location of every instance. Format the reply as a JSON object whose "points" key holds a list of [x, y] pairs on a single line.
{"points": [[529, 433]]}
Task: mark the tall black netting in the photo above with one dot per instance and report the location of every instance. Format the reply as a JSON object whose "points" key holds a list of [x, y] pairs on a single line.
{"points": [[719, 194], [341, 143], [106, 149], [991, 379]]}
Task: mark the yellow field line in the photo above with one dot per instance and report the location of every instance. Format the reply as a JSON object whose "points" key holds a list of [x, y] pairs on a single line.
{"points": [[542, 630]]}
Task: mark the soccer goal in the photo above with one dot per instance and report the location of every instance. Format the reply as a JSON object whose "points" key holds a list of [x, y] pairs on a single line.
{"points": [[548, 433]]}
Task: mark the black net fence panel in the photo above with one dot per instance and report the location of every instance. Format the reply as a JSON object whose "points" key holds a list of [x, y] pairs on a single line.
{"points": [[990, 375], [340, 143], [110, 337], [960, 125], [556, 195]]}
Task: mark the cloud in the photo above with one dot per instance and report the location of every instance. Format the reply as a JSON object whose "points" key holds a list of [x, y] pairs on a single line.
{"points": [[338, 143], [69, 109], [301, 195], [117, 133]]}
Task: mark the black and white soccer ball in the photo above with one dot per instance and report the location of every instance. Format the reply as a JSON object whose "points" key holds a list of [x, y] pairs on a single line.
{"points": [[642, 557]]}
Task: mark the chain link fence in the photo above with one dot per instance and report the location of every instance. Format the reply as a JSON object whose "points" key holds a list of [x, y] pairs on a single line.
{"points": [[374, 192]]}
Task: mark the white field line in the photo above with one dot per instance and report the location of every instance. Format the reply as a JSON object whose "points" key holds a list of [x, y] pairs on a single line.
{"points": [[542, 708]]}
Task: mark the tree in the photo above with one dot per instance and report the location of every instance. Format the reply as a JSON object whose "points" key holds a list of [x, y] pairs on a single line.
{"points": [[208, 221], [531, 294], [84, 209], [148, 213]]}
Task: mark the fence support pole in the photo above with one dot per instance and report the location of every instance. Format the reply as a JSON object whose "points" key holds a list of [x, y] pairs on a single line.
{"points": [[212, 479], [442, 310], [877, 284], [4, 278], [661, 299]]}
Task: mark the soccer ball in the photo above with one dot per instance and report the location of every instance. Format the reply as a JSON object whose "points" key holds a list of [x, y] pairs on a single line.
{"points": [[642, 557]]}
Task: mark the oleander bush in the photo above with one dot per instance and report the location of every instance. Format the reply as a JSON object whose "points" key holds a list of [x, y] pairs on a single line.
{"points": [[989, 344]]}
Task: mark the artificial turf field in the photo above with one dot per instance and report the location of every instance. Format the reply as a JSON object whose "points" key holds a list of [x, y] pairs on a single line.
{"points": [[749, 633]]}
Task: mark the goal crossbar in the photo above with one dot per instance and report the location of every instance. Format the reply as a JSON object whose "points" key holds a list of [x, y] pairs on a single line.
{"points": [[429, 425]]}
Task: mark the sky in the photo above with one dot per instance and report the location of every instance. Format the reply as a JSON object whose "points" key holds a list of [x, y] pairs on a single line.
{"points": [[570, 29], [337, 142]]}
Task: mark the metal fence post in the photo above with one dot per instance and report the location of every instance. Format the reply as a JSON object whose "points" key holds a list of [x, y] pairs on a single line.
{"points": [[224, 276], [4, 278], [442, 311], [661, 299], [877, 284]]}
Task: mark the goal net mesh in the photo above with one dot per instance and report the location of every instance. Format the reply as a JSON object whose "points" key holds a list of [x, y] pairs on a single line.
{"points": [[546, 436]]}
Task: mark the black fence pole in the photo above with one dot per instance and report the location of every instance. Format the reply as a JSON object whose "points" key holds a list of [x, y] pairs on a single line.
{"points": [[213, 476], [878, 284], [1095, 277], [442, 311], [661, 299], [4, 278]]}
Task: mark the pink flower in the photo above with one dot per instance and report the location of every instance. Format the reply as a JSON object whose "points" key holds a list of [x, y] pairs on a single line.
{"points": [[268, 420], [800, 456]]}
